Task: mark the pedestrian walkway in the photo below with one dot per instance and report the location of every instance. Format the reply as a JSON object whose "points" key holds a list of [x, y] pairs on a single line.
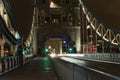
{"points": [[36, 69]]}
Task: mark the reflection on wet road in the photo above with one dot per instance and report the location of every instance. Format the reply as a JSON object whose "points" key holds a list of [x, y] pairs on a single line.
{"points": [[36, 69]]}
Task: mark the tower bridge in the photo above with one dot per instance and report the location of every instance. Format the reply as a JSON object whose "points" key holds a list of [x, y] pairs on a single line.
{"points": [[82, 38]]}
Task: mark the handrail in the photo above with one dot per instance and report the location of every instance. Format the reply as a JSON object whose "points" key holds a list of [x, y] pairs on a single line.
{"points": [[8, 63], [12, 62], [103, 57], [72, 69]]}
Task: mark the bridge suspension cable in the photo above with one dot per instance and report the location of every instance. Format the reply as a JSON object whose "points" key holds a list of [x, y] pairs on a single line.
{"points": [[105, 32]]}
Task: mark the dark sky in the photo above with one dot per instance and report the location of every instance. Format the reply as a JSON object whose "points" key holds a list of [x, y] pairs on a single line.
{"points": [[106, 10], [22, 10]]}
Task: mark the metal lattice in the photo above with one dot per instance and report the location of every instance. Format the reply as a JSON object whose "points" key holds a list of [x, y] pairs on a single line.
{"points": [[106, 33]]}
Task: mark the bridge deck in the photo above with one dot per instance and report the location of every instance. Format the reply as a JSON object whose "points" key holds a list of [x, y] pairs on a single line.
{"points": [[36, 69]]}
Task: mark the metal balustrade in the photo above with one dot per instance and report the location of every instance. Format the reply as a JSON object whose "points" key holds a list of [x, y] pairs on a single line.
{"points": [[27, 58], [10, 63], [103, 57], [68, 70], [111, 57]]}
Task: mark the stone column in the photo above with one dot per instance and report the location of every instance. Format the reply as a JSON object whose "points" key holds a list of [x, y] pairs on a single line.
{"points": [[76, 29], [2, 42], [35, 40], [78, 39], [60, 47], [35, 31], [2, 50]]}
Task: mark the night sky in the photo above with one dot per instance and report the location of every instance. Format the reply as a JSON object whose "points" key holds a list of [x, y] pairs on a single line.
{"points": [[107, 11], [22, 10]]}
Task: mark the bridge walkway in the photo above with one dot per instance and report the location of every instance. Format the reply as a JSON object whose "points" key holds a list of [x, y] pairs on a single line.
{"points": [[36, 69]]}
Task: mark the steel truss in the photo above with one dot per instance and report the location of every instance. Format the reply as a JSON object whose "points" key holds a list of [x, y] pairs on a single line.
{"points": [[108, 34]]}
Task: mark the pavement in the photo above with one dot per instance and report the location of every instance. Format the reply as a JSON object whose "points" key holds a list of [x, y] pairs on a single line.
{"points": [[39, 68]]}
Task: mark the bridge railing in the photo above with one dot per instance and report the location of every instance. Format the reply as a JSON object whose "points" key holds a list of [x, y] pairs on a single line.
{"points": [[111, 57], [72, 70], [115, 57], [27, 58], [10, 63]]}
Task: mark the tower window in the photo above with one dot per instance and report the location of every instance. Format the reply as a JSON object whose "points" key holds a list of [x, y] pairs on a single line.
{"points": [[43, 1], [67, 1], [56, 1]]}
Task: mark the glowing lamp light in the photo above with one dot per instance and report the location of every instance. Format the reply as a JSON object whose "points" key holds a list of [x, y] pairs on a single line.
{"points": [[70, 49], [46, 50], [88, 26], [52, 5], [53, 55]]}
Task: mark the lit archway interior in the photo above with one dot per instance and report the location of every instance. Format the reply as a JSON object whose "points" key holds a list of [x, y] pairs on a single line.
{"points": [[57, 44]]}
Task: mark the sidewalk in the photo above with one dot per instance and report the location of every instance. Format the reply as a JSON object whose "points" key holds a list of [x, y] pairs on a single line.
{"points": [[36, 69]]}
